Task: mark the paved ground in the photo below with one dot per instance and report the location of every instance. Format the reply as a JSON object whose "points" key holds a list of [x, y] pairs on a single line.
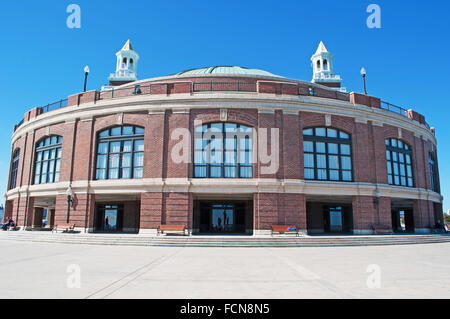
{"points": [[39, 270]]}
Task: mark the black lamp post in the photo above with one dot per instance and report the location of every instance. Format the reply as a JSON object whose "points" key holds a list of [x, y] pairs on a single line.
{"points": [[376, 200], [69, 194], [86, 73], [363, 73]]}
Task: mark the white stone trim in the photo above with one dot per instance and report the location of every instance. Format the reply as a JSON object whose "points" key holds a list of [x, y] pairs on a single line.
{"points": [[360, 120], [227, 187], [227, 100], [327, 120]]}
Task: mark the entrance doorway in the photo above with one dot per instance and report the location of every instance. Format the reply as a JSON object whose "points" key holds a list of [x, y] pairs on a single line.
{"points": [[337, 219], [215, 217], [402, 220], [329, 218], [109, 218]]}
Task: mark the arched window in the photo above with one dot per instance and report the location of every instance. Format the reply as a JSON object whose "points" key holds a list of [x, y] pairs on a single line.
{"points": [[325, 65], [318, 65], [327, 154], [433, 172], [14, 169], [223, 150], [399, 163], [120, 153], [48, 160]]}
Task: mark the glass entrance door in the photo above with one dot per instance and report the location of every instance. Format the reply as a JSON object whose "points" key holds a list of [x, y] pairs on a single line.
{"points": [[335, 220], [109, 218], [222, 218], [402, 220]]}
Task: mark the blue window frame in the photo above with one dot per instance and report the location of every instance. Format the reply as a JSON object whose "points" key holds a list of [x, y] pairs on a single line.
{"points": [[399, 163], [14, 169], [223, 150], [47, 163], [120, 153], [327, 154]]}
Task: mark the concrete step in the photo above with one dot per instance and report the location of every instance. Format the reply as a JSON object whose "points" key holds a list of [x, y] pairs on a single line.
{"points": [[173, 241]]}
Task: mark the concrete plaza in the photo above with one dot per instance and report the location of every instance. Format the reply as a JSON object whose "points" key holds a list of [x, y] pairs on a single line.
{"points": [[46, 270]]}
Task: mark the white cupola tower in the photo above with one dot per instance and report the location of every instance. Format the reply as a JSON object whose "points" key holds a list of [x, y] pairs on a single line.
{"points": [[126, 68], [322, 63]]}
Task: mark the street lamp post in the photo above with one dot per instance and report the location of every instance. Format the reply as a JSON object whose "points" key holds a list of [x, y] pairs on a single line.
{"points": [[86, 73], [363, 73], [69, 194]]}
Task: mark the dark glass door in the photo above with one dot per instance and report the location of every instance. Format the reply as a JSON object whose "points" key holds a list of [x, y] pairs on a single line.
{"points": [[337, 219], [222, 218], [402, 220], [109, 218]]}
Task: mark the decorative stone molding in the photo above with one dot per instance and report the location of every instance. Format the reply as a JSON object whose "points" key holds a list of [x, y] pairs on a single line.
{"points": [[229, 187], [120, 118], [156, 112], [263, 103], [181, 111], [223, 115], [328, 120], [377, 123]]}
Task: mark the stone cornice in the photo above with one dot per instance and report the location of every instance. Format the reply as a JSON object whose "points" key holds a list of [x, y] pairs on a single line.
{"points": [[259, 101], [227, 187]]}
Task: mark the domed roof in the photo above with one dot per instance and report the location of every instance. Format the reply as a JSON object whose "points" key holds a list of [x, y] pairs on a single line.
{"points": [[227, 70]]}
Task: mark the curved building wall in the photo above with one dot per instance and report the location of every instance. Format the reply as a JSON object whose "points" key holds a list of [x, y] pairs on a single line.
{"points": [[169, 193]]}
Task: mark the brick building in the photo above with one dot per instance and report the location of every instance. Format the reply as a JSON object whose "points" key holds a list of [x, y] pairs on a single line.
{"points": [[224, 150]]}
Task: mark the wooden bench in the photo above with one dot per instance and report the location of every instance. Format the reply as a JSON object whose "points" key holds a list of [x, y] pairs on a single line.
{"points": [[171, 229], [382, 229], [283, 229], [64, 226]]}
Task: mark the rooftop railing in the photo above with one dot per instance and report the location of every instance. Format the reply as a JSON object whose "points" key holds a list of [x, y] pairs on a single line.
{"points": [[237, 86], [54, 106], [210, 86], [49, 107], [398, 110], [394, 108]]}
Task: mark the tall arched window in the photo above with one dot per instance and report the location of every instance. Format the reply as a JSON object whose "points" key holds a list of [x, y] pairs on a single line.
{"points": [[327, 154], [433, 172], [120, 153], [399, 163], [48, 160], [223, 150], [14, 169]]}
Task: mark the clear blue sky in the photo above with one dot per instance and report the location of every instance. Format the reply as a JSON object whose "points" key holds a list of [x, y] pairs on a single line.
{"points": [[406, 60]]}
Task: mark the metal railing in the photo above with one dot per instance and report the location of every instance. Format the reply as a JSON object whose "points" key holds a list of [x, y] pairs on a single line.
{"points": [[399, 110], [210, 86], [54, 106], [236, 86], [123, 92], [49, 107], [394, 108]]}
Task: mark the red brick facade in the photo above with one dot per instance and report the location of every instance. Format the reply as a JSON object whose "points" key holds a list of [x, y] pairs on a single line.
{"points": [[151, 208]]}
